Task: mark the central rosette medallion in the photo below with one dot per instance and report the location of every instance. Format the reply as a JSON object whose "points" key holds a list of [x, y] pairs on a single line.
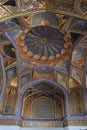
{"points": [[44, 41]]}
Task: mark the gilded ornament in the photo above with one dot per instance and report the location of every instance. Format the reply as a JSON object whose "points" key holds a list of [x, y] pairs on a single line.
{"points": [[21, 43], [22, 37], [52, 57], [45, 22], [25, 31], [13, 49], [66, 45], [36, 57], [58, 55], [66, 37], [24, 49], [63, 51], [44, 58], [25, 1], [30, 53]]}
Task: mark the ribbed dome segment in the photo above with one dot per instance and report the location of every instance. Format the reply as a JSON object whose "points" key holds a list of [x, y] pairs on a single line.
{"points": [[44, 40], [45, 18]]}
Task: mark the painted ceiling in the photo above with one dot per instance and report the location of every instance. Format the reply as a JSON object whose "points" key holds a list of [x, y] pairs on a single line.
{"points": [[43, 39], [40, 33]]}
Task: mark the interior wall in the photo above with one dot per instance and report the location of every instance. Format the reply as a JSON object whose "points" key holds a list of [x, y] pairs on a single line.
{"points": [[77, 127], [42, 129], [77, 101], [19, 128], [10, 128], [66, 128]]}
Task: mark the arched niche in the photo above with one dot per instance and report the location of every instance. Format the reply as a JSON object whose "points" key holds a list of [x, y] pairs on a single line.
{"points": [[77, 102], [27, 87], [43, 101], [9, 100]]}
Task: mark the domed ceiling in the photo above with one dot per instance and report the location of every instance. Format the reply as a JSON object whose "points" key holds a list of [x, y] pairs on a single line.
{"points": [[46, 35], [42, 41], [45, 18]]}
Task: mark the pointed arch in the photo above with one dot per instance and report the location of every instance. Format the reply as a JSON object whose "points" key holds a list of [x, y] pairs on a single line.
{"points": [[25, 87]]}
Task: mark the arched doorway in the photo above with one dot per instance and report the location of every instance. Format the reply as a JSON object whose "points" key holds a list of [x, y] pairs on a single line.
{"points": [[43, 101], [53, 85]]}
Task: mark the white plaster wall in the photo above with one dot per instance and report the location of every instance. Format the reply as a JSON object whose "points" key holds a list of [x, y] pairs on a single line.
{"points": [[9, 128], [66, 128], [19, 128], [77, 127], [42, 129]]}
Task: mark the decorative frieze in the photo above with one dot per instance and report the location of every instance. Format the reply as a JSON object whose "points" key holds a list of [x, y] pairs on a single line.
{"points": [[44, 124]]}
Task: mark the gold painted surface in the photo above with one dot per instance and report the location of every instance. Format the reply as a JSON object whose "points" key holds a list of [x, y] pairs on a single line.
{"points": [[36, 59], [3, 12], [14, 82], [27, 59], [76, 8]]}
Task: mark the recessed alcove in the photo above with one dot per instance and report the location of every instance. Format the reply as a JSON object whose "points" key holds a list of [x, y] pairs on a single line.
{"points": [[43, 101]]}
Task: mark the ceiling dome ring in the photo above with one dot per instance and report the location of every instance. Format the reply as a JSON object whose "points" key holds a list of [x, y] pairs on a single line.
{"points": [[44, 44]]}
